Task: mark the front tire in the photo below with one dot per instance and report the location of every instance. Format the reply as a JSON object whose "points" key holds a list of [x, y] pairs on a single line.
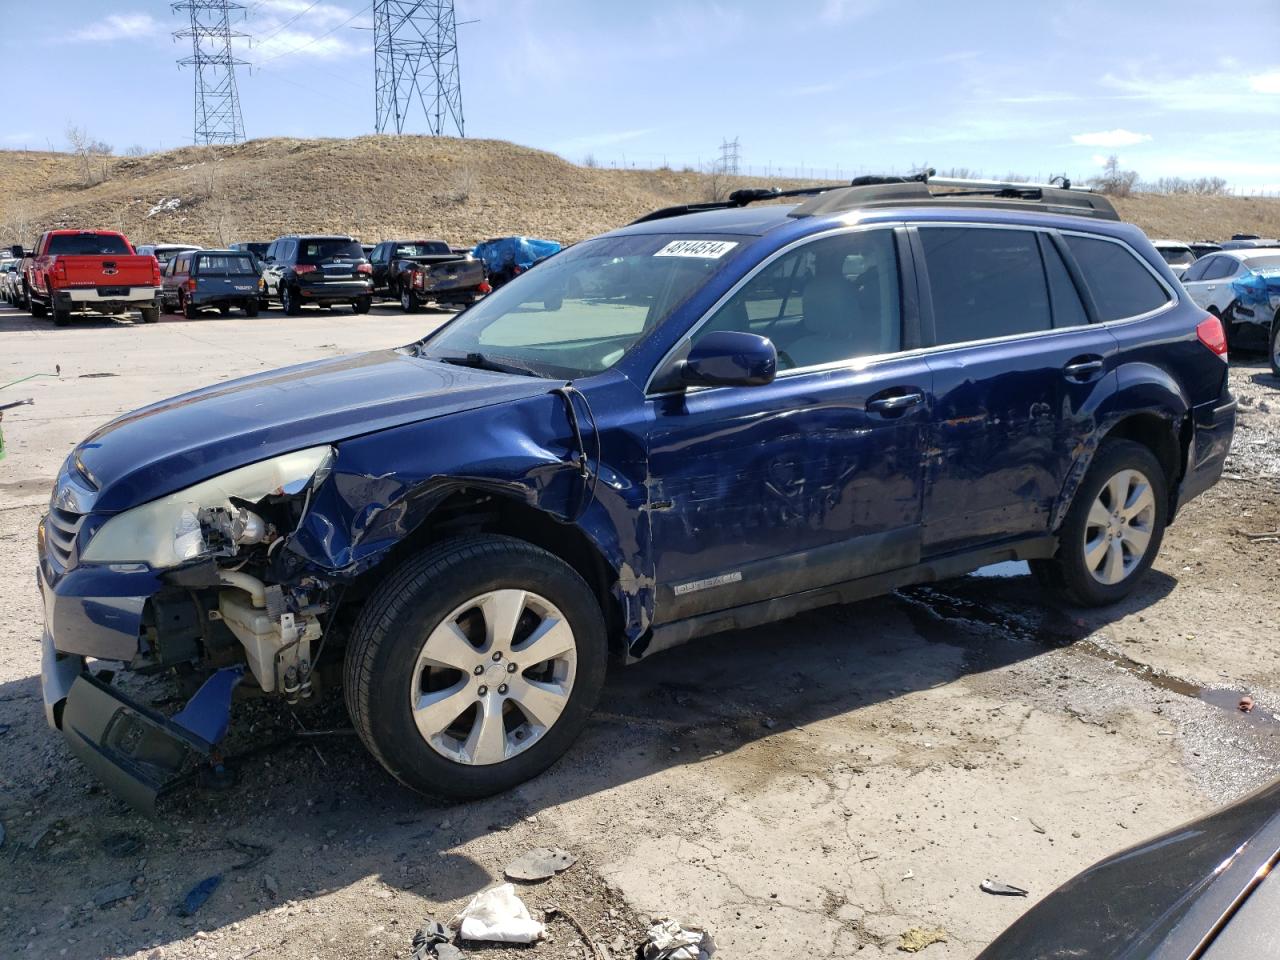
{"points": [[1273, 345], [1113, 530], [475, 665]]}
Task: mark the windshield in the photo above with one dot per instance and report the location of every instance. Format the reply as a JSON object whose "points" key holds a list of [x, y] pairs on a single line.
{"points": [[241, 266], [425, 248], [1177, 256], [87, 245], [318, 251], [580, 311]]}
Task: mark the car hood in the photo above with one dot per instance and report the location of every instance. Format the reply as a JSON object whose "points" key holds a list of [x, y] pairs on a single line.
{"points": [[1157, 899], [177, 442]]}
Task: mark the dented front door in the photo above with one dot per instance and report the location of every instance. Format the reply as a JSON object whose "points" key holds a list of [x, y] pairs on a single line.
{"points": [[760, 492]]}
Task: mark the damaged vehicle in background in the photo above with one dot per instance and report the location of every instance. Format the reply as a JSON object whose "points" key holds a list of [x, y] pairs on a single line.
{"points": [[1243, 288], [417, 272], [717, 417]]}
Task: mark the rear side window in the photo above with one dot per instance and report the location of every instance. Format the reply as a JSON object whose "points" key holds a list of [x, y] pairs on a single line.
{"points": [[87, 244], [1222, 268], [1120, 284], [985, 283], [1068, 311]]}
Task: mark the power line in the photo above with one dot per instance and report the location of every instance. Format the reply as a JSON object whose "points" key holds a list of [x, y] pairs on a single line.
{"points": [[415, 57], [217, 99], [287, 22], [316, 39]]}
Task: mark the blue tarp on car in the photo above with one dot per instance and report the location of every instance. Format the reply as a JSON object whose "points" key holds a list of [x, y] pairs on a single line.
{"points": [[523, 252]]}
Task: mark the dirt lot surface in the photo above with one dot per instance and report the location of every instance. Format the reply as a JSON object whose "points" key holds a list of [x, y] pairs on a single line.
{"points": [[819, 787]]}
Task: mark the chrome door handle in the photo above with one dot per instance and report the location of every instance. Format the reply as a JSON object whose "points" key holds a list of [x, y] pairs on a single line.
{"points": [[1082, 368], [899, 402]]}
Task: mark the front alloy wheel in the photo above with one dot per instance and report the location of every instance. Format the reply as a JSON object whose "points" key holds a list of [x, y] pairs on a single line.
{"points": [[1119, 527], [494, 677], [474, 665]]}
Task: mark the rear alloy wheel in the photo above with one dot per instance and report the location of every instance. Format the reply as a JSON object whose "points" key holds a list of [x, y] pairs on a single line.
{"points": [[187, 307], [1113, 530], [289, 302], [408, 301], [475, 665]]}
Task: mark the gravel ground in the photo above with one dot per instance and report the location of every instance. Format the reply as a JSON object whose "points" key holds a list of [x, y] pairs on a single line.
{"points": [[818, 787]]}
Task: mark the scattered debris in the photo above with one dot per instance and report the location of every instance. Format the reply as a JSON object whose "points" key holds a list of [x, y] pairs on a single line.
{"points": [[113, 893], [197, 895], [257, 853], [428, 939], [596, 951], [121, 845], [768, 723], [1035, 826], [667, 940], [542, 863], [165, 204], [909, 875], [1246, 704], [447, 951], [917, 938], [1001, 889], [1269, 535], [497, 914], [269, 884]]}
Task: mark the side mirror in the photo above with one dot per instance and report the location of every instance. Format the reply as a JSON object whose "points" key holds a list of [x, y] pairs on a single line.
{"points": [[730, 359], [17, 251]]}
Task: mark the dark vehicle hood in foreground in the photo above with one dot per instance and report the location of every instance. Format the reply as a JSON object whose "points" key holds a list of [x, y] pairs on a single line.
{"points": [[1160, 899], [172, 444]]}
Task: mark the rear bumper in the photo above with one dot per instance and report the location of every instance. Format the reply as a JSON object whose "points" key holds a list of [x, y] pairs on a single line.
{"points": [[236, 299], [1213, 425], [108, 296], [335, 292]]}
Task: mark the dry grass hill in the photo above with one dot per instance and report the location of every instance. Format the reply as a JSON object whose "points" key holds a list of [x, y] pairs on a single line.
{"points": [[379, 187]]}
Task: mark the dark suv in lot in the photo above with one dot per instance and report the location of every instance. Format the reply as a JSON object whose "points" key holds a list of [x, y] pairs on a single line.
{"points": [[325, 271], [718, 416]]}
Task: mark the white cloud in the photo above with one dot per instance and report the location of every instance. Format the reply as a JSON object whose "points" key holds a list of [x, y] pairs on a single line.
{"points": [[118, 26], [1110, 138], [272, 14], [1265, 82], [315, 45]]}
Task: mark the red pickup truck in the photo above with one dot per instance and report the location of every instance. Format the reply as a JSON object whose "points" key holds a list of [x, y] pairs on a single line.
{"points": [[94, 270]]}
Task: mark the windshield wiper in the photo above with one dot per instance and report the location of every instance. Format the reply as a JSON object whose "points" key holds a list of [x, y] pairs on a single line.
{"points": [[479, 361]]}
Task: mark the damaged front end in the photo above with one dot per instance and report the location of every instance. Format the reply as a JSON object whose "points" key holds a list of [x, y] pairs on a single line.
{"points": [[194, 583]]}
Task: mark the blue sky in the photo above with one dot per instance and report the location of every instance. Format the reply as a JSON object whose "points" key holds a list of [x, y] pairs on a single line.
{"points": [[848, 86]]}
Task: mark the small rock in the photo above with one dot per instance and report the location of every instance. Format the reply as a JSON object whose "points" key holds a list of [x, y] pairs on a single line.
{"points": [[768, 723], [113, 893], [447, 951], [141, 911], [540, 864], [917, 938], [269, 884]]}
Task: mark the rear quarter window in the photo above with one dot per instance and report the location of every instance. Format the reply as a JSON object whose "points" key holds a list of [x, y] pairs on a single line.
{"points": [[1121, 286]]}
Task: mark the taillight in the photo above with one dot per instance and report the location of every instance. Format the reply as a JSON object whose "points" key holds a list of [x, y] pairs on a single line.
{"points": [[62, 271], [418, 281], [364, 268], [1211, 334], [516, 270], [155, 272], [305, 268], [484, 287], [189, 284]]}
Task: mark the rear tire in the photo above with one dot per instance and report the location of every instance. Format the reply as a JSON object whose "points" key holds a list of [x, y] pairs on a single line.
{"points": [[225, 310], [1273, 345], [36, 307], [188, 308], [362, 304], [251, 310], [289, 302], [150, 314], [1122, 505], [408, 301], [61, 318], [387, 678]]}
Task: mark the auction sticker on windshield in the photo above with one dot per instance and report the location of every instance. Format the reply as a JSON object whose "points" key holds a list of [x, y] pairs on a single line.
{"points": [[705, 249]]}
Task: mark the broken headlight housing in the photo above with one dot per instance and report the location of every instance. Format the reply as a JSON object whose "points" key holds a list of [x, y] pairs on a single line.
{"points": [[167, 532]]}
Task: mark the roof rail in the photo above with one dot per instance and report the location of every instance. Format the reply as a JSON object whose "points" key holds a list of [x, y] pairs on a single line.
{"points": [[871, 191]]}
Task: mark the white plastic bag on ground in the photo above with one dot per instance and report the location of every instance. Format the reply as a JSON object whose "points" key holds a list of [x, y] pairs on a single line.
{"points": [[667, 940], [497, 914]]}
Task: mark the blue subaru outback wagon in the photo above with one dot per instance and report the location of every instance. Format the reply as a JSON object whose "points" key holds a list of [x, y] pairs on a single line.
{"points": [[718, 416]]}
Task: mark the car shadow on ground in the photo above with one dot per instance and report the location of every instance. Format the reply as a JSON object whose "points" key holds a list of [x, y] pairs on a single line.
{"points": [[317, 814]]}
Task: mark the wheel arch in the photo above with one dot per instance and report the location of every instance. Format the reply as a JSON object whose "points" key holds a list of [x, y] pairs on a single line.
{"points": [[1149, 407]]}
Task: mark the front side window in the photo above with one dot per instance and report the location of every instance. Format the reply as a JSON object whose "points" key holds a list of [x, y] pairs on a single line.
{"points": [[985, 283], [1196, 270], [1121, 286], [830, 300], [577, 313]]}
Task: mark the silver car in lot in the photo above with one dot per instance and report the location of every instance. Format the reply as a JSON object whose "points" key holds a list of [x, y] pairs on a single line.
{"points": [[1243, 288], [1176, 254]]}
